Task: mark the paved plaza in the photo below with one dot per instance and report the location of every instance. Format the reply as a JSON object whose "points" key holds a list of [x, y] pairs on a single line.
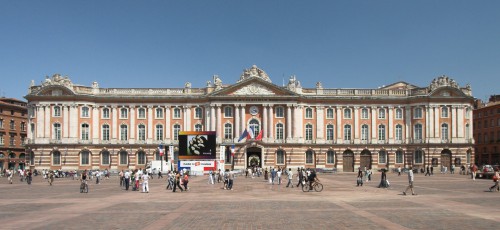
{"points": [[449, 201]]}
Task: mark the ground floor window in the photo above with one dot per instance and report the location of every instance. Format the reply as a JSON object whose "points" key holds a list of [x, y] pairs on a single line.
{"points": [[330, 157], [280, 157], [309, 157]]}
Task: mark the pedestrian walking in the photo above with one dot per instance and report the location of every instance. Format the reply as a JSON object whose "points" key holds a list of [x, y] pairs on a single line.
{"points": [[473, 169], [126, 179], [290, 177], [185, 181], [399, 171], [427, 171], [177, 182], [384, 183], [230, 180], [410, 182], [359, 179], [496, 177], [145, 182]]}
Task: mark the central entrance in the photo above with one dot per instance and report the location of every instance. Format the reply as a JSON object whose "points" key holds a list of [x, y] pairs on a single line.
{"points": [[254, 157]]}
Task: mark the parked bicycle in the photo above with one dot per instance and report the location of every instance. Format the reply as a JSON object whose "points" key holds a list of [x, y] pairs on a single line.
{"points": [[316, 185]]}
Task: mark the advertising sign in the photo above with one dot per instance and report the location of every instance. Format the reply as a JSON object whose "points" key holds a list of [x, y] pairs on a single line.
{"points": [[197, 145], [198, 166]]}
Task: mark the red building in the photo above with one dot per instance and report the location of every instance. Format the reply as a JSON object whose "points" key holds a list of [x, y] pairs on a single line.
{"points": [[487, 131], [13, 131]]}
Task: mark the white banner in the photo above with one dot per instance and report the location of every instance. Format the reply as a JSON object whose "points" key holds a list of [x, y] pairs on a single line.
{"points": [[199, 166]]}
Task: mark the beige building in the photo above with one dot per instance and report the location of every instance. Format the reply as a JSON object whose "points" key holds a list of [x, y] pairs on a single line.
{"points": [[76, 127]]}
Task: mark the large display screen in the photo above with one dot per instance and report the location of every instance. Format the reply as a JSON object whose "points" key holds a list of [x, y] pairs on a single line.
{"points": [[197, 145]]}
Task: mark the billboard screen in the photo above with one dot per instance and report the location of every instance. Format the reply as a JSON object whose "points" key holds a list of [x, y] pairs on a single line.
{"points": [[197, 145]]}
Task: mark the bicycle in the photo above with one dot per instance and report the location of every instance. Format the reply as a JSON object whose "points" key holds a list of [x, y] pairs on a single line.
{"points": [[318, 187], [84, 187]]}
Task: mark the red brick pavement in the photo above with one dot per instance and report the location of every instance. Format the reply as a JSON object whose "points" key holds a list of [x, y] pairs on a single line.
{"points": [[443, 202]]}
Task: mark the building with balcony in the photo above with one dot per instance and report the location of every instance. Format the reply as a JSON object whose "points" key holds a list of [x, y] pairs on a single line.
{"points": [[13, 133], [76, 127], [487, 131]]}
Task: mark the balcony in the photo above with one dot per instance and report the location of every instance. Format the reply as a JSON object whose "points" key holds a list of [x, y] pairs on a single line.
{"points": [[279, 141], [86, 142], [55, 141], [417, 141], [381, 142], [445, 141], [227, 141]]}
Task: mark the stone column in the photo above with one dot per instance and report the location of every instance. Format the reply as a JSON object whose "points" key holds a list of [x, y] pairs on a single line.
{"points": [[219, 123], [95, 124], [427, 124], [437, 126], [288, 122], [132, 130], [212, 118], [390, 121], [460, 122], [151, 128], [408, 125], [47, 122], [65, 113], [453, 114], [187, 118], [114, 122], [374, 125], [320, 124], [73, 121], [431, 133], [264, 121], [237, 124], [243, 117], [168, 127], [340, 137], [355, 131], [271, 122], [39, 120]]}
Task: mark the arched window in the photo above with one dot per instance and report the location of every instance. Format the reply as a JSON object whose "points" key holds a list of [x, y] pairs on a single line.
{"points": [[105, 160], [399, 132], [105, 113], [159, 132], [330, 157], [399, 157], [382, 157], [123, 132], [279, 131], [347, 113], [399, 113], [444, 111], [56, 158], [85, 111], [228, 111], [329, 113], [255, 126], [198, 127], [123, 157], [228, 131], [309, 113], [141, 114], [85, 132], [177, 129], [347, 132], [381, 113], [177, 112], [330, 132], [105, 132], [280, 157], [364, 132], [444, 131], [418, 157], [198, 113], [309, 157], [364, 113], [57, 131], [84, 157], [309, 132], [381, 132], [57, 111], [141, 158], [418, 132], [141, 132]]}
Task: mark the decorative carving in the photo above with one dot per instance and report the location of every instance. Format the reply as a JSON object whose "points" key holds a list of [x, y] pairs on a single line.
{"points": [[57, 80], [95, 85], [253, 89], [293, 83], [442, 81], [254, 72], [187, 85], [217, 82], [319, 85]]}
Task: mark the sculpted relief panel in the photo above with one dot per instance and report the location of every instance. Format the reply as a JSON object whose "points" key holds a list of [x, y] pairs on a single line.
{"points": [[253, 89]]}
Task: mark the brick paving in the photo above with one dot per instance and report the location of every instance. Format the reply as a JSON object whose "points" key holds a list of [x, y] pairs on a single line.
{"points": [[443, 202]]}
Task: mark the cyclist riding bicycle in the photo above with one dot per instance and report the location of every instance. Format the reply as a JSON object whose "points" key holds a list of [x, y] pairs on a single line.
{"points": [[312, 178], [83, 177]]}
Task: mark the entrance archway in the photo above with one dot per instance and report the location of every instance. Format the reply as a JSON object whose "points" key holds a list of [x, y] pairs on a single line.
{"points": [[446, 158], [365, 159], [348, 161], [254, 157]]}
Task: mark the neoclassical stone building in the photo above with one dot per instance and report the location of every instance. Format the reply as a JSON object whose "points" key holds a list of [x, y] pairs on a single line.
{"points": [[76, 127]]}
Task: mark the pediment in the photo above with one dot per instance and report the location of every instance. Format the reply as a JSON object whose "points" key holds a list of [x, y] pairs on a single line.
{"points": [[447, 92], [55, 90], [254, 87]]}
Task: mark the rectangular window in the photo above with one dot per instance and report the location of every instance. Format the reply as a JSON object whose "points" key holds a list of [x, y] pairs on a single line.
{"points": [[280, 157], [280, 113], [105, 113], [418, 113], [364, 113], [85, 158], [177, 113], [309, 157], [418, 157], [279, 131], [330, 157], [329, 113], [159, 113], [382, 157], [142, 113], [123, 113], [2, 139], [399, 157], [12, 140]]}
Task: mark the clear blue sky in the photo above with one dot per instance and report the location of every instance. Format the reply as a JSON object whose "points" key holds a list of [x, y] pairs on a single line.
{"points": [[343, 44]]}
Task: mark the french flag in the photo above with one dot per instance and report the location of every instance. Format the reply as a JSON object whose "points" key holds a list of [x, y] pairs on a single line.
{"points": [[161, 150], [243, 135], [251, 133]]}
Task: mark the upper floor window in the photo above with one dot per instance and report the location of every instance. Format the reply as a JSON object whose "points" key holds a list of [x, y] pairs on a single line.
{"points": [[364, 113], [123, 132], [141, 129], [329, 113], [418, 113], [309, 132], [177, 129], [255, 126], [399, 113], [444, 131], [105, 132], [159, 132], [105, 113], [228, 131], [444, 111], [330, 131], [159, 113], [198, 113], [85, 132], [309, 113], [467, 113], [57, 111], [418, 132], [1, 123], [364, 132], [141, 113], [347, 132], [381, 114], [23, 126], [177, 112], [57, 131], [123, 113], [228, 111], [399, 132], [279, 131], [280, 112], [347, 113], [85, 111], [12, 125], [381, 132]]}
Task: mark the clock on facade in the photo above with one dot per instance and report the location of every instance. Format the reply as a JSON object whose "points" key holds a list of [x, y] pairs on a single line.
{"points": [[254, 110]]}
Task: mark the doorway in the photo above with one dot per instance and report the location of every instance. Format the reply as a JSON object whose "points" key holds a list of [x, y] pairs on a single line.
{"points": [[446, 158], [365, 159], [254, 157], [348, 161]]}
